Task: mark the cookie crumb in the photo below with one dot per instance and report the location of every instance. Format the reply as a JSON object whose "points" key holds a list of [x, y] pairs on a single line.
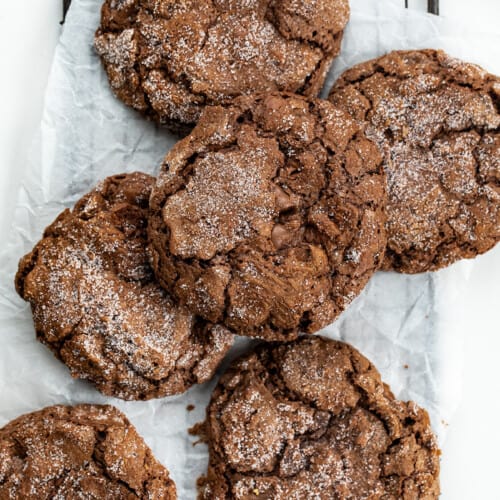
{"points": [[190, 407], [200, 430]]}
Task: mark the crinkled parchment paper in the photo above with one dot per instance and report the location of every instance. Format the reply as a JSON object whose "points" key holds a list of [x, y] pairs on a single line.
{"points": [[410, 326]]}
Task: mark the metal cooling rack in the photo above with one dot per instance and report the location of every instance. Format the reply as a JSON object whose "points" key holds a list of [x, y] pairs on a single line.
{"points": [[432, 6]]}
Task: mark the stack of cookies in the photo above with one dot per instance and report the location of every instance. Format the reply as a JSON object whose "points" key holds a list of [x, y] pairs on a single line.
{"points": [[266, 220]]}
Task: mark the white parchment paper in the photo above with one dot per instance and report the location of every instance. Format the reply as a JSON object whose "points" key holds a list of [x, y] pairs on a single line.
{"points": [[409, 326]]}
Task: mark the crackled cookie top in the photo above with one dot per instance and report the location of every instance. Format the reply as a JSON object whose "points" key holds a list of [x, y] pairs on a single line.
{"points": [[312, 419], [437, 122], [78, 452], [269, 217], [169, 58], [97, 306]]}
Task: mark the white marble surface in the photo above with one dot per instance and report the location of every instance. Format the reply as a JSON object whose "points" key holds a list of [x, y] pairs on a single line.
{"points": [[28, 34]]}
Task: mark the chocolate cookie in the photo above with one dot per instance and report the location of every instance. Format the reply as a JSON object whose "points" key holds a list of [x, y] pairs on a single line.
{"points": [[269, 217], [97, 306], [312, 420], [437, 122], [73, 452], [170, 58]]}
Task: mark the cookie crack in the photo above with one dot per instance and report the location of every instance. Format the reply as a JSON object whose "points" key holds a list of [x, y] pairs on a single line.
{"points": [[270, 17], [100, 463]]}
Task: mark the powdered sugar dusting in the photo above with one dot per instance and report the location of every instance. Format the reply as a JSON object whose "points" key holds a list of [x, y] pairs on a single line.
{"points": [[227, 200]]}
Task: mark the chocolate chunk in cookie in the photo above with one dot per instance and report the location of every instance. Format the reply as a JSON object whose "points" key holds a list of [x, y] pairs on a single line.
{"points": [[312, 420], [437, 122], [170, 58], [97, 306], [269, 217], [83, 451]]}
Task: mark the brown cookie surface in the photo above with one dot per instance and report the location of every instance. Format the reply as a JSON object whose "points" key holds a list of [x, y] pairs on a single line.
{"points": [[312, 419], [75, 452], [437, 121], [97, 306], [269, 217], [170, 58]]}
